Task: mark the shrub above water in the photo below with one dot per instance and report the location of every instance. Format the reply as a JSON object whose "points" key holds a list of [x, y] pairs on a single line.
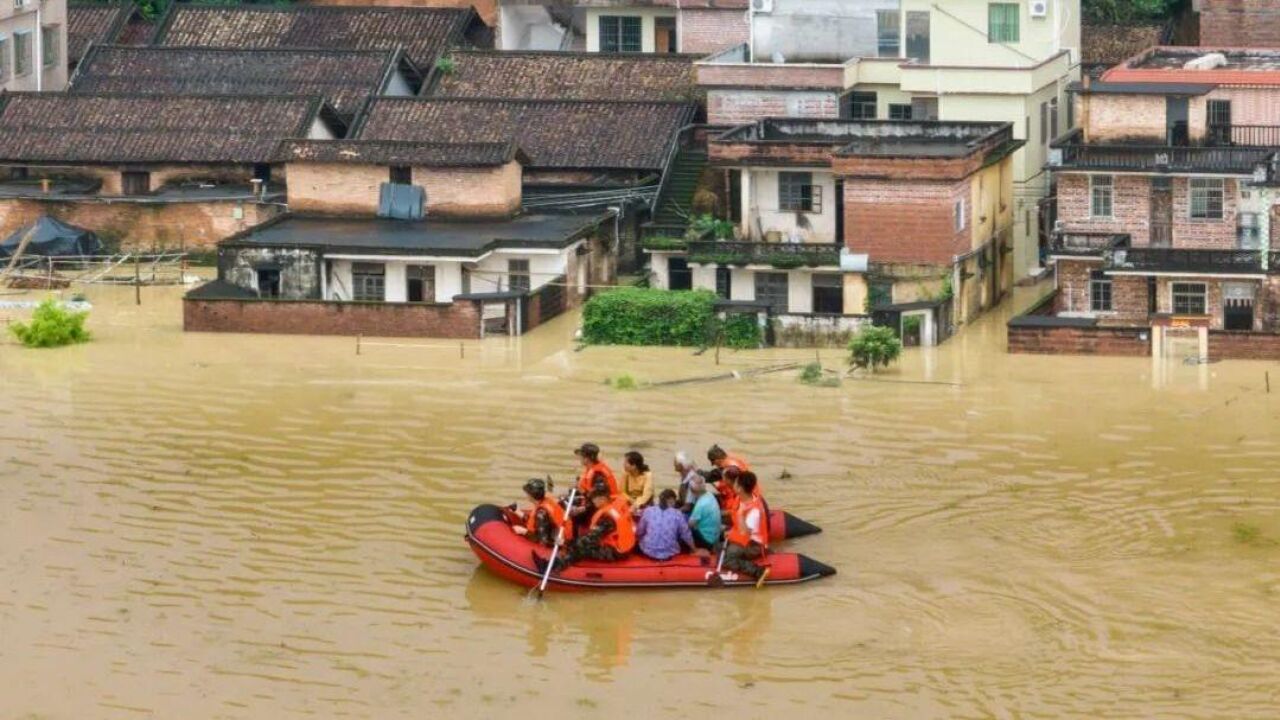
{"points": [[51, 326], [644, 316], [874, 347]]}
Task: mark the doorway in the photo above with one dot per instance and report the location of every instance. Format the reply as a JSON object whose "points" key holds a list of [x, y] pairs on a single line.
{"points": [[664, 35], [268, 282], [679, 276], [1175, 113], [1237, 306], [1161, 211]]}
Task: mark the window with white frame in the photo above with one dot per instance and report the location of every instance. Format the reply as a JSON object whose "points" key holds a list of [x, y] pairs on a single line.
{"points": [[518, 277], [49, 45], [1101, 195], [958, 215], [1002, 22], [1099, 291], [1190, 298], [368, 282], [1207, 196]]}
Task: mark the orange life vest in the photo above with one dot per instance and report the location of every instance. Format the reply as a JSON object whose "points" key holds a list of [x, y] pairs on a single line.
{"points": [[726, 488], [554, 511], [740, 534], [623, 537], [585, 480]]}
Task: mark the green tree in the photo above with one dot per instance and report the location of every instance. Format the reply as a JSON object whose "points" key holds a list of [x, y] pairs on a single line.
{"points": [[1126, 12], [51, 326]]}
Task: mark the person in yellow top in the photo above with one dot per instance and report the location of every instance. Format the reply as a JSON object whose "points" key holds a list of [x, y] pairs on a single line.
{"points": [[637, 481]]}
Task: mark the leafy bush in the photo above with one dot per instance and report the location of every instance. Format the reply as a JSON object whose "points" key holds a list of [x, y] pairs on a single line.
{"points": [[644, 316], [51, 326], [701, 226], [624, 382], [664, 242], [874, 347], [811, 374], [740, 331], [446, 65]]}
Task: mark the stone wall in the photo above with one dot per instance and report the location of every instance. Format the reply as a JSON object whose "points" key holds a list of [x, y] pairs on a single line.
{"points": [[289, 317], [191, 226], [710, 30]]}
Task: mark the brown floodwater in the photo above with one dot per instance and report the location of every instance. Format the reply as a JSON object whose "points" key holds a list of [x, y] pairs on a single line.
{"points": [[211, 526]]}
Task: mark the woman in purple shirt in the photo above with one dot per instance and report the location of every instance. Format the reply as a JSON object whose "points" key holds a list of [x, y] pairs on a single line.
{"points": [[663, 530]]}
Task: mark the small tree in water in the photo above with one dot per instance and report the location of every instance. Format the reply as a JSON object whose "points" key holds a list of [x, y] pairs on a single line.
{"points": [[51, 326], [874, 347]]}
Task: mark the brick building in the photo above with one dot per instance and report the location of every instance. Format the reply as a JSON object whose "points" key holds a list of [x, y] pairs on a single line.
{"points": [[1166, 195], [1239, 23], [843, 218], [622, 26], [178, 171]]}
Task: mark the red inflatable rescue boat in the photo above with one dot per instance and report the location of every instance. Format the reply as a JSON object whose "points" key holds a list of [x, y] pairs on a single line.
{"points": [[510, 556]]}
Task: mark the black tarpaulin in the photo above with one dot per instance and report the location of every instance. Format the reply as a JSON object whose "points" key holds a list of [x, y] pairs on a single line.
{"points": [[52, 238]]}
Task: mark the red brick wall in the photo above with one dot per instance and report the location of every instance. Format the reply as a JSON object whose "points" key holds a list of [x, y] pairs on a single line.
{"points": [[1240, 23], [710, 30], [1128, 293], [1242, 345], [904, 220], [773, 154], [457, 320], [1079, 340], [1131, 210], [738, 106]]}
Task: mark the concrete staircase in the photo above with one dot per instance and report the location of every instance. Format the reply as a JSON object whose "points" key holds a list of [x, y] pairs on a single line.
{"points": [[676, 202]]}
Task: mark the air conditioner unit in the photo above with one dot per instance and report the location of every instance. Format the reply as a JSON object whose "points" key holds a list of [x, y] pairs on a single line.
{"points": [[1039, 8], [762, 6]]}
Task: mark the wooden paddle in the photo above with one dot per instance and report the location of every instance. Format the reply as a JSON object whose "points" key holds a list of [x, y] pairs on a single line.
{"points": [[555, 549]]}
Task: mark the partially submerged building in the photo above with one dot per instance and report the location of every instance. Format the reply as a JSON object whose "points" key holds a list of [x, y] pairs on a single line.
{"points": [[622, 26], [1166, 204], [912, 60], [346, 79], [177, 171], [848, 218], [425, 34]]}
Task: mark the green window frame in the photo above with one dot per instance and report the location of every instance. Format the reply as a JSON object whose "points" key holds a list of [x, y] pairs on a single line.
{"points": [[1002, 22]]}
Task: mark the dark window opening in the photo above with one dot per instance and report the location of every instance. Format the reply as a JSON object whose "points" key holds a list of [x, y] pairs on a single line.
{"points": [[772, 290], [724, 282], [420, 283], [268, 283], [898, 111], [828, 293], [262, 171], [518, 275], [368, 282], [402, 174], [879, 293], [1219, 112], [1099, 291], [620, 34], [679, 276], [860, 106], [136, 183], [797, 193]]}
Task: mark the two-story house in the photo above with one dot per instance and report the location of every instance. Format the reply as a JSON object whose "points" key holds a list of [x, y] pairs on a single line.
{"points": [[1166, 194], [847, 218], [622, 26], [33, 45], [950, 60]]}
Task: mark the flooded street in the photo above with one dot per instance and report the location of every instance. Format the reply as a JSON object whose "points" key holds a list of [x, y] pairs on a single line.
{"points": [[205, 526]]}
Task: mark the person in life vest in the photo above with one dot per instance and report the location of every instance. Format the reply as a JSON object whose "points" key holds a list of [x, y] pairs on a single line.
{"points": [[729, 465], [748, 538], [543, 521], [610, 535], [595, 475]]}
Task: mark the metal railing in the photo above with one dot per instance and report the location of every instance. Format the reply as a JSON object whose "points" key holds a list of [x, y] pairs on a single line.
{"points": [[780, 255], [1192, 261], [1167, 158], [1258, 136], [1086, 244]]}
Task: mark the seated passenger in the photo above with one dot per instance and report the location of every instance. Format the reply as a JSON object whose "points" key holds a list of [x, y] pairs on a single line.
{"points": [[596, 474], [704, 520], [748, 539], [610, 535], [686, 470], [637, 480], [543, 521], [717, 456], [663, 531]]}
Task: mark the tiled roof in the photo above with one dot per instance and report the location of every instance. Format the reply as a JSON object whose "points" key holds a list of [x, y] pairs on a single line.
{"points": [[567, 76], [345, 78], [386, 152], [56, 127], [423, 32], [93, 22], [553, 133]]}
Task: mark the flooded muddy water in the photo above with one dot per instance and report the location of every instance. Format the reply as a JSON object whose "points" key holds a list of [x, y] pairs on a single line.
{"points": [[204, 526]]}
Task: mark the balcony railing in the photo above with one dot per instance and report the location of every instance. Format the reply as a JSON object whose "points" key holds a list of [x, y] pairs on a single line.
{"points": [[1177, 260], [1086, 244], [780, 255], [1167, 159], [1257, 136]]}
